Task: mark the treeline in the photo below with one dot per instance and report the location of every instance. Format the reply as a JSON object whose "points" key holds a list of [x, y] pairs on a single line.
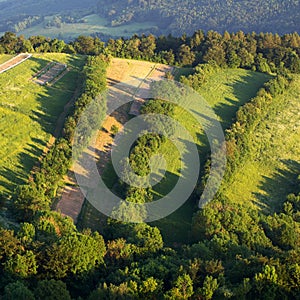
{"points": [[264, 52], [144, 148], [238, 138], [260, 252], [39, 193], [185, 16]]}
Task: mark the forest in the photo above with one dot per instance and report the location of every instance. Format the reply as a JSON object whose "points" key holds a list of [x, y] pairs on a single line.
{"points": [[178, 16], [235, 252], [175, 16]]}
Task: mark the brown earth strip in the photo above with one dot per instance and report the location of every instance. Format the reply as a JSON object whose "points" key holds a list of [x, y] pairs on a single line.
{"points": [[136, 74], [14, 62]]}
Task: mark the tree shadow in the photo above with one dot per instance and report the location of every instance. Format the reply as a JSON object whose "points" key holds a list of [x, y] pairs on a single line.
{"points": [[20, 175], [46, 115], [283, 182], [243, 90]]}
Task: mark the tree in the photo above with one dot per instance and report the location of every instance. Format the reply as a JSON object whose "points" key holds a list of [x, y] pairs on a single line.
{"points": [[85, 45], [185, 56], [10, 42], [266, 282], [51, 290], [26, 233], [17, 291], [74, 254], [183, 288], [210, 285], [9, 244], [22, 265], [148, 45]]}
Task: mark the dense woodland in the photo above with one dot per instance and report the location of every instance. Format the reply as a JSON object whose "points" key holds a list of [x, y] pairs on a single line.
{"points": [[264, 52], [172, 16], [179, 16], [235, 252]]}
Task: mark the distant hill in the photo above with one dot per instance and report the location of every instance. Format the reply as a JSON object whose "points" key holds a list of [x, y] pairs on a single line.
{"points": [[178, 16], [164, 16]]}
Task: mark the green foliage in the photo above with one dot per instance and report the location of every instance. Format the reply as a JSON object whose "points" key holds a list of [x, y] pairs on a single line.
{"points": [[21, 265], [114, 130], [51, 290], [183, 288], [51, 225], [74, 254], [201, 75], [210, 285], [185, 16], [266, 282], [17, 291]]}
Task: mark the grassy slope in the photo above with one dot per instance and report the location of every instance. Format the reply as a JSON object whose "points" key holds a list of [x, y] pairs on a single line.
{"points": [[265, 182], [5, 57], [225, 92], [28, 113], [92, 24]]}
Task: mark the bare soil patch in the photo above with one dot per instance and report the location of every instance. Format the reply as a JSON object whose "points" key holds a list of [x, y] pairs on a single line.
{"points": [[51, 73], [138, 75]]}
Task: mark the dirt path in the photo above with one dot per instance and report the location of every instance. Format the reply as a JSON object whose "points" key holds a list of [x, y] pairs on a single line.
{"points": [[139, 75], [14, 62]]}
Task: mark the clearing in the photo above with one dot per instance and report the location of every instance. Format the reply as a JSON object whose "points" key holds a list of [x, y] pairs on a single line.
{"points": [[225, 91], [120, 71], [88, 25], [265, 182], [29, 114]]}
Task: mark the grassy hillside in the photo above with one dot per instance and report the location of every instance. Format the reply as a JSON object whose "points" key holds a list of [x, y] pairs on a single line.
{"points": [[226, 91], [4, 58], [28, 114], [264, 182]]}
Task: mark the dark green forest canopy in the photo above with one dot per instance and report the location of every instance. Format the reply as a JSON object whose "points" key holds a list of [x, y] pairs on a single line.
{"points": [[168, 16], [178, 16]]}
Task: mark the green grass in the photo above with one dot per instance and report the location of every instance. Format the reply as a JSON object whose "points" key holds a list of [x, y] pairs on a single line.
{"points": [[226, 91], [5, 57], [264, 182], [28, 115], [92, 24]]}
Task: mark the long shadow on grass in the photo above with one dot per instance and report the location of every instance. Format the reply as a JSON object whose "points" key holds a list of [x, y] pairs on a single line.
{"points": [[26, 161], [244, 90], [53, 100], [283, 182]]}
